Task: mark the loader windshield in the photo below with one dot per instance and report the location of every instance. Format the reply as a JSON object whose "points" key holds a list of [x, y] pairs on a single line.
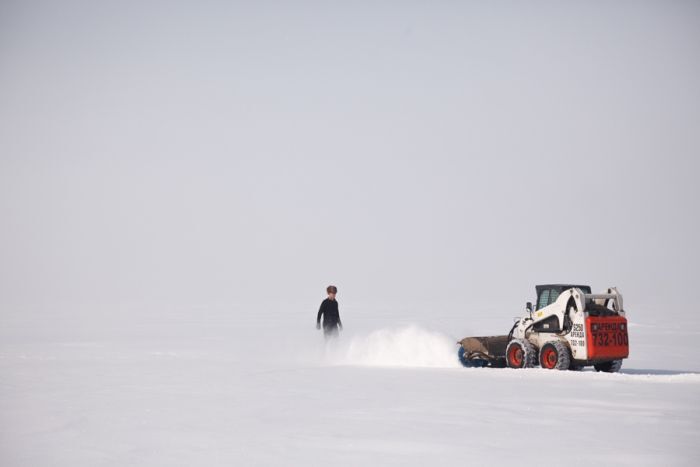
{"points": [[547, 297]]}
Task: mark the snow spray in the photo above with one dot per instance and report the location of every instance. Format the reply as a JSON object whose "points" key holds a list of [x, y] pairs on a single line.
{"points": [[409, 346]]}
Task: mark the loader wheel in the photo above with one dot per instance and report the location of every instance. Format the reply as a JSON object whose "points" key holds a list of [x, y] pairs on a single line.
{"points": [[520, 354], [613, 366], [555, 356]]}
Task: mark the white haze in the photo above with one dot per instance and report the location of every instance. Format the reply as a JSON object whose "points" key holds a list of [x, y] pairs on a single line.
{"points": [[165, 154]]}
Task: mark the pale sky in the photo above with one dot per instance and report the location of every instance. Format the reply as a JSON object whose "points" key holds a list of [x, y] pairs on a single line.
{"points": [[223, 152]]}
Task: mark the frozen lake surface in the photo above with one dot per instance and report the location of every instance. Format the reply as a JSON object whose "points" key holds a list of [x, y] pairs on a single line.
{"points": [[260, 387]]}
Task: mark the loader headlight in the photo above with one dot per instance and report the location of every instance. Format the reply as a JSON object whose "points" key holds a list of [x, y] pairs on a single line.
{"points": [[622, 326], [595, 327]]}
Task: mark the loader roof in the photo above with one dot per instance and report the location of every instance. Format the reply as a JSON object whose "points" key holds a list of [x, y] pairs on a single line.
{"points": [[561, 287]]}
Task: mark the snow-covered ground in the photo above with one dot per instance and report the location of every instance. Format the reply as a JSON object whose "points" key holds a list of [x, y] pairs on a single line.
{"points": [[257, 386]]}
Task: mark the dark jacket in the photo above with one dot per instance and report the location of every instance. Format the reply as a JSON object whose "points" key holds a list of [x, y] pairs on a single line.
{"points": [[329, 311]]}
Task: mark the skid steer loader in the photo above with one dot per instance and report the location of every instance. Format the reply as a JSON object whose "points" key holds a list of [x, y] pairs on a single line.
{"points": [[569, 328]]}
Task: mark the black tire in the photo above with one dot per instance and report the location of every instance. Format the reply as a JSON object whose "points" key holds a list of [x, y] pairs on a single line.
{"points": [[520, 354], [573, 367], [555, 356], [613, 366]]}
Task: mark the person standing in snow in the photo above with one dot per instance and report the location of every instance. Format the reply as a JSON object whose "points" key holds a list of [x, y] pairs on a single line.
{"points": [[331, 316]]}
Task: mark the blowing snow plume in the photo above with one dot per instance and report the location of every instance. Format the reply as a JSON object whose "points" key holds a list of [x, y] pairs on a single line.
{"points": [[404, 347]]}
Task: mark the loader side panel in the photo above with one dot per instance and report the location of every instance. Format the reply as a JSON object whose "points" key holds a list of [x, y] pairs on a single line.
{"points": [[607, 337]]}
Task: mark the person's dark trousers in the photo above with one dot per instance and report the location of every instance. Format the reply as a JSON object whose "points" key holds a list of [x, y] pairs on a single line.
{"points": [[330, 332]]}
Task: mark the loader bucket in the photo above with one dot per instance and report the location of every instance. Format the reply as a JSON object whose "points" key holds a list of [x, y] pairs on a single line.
{"points": [[491, 349]]}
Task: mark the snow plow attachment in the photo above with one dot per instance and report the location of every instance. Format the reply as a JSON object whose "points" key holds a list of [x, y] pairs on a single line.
{"points": [[483, 351]]}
